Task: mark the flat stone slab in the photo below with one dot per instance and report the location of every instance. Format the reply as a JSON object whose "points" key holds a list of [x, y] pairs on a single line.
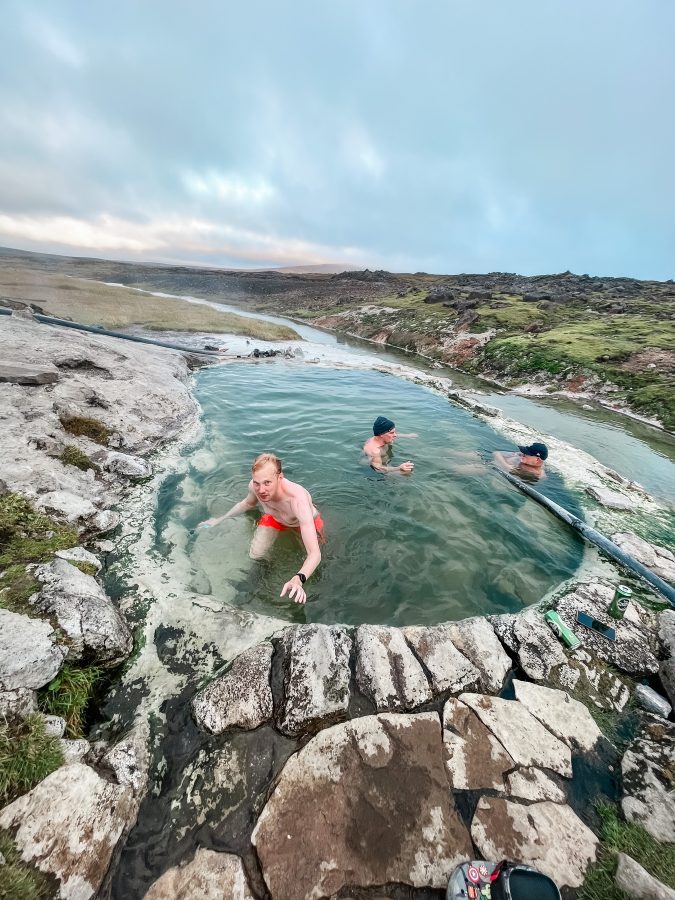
{"points": [[633, 651], [242, 697], [29, 654], [208, 876], [548, 836], [450, 671], [316, 677], [474, 758], [364, 803], [475, 638], [568, 719], [521, 734], [69, 826], [16, 372], [529, 637], [387, 671], [647, 769], [79, 554], [66, 505]]}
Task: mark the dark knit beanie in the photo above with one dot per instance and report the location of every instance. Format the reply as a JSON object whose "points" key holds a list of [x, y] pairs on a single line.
{"points": [[381, 425]]}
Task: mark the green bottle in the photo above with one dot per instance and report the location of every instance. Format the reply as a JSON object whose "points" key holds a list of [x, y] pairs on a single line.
{"points": [[617, 608]]}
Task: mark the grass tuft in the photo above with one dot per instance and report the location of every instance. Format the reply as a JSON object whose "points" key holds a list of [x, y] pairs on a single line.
{"points": [[618, 836], [27, 755], [85, 426], [68, 696], [73, 456], [27, 535], [16, 586], [19, 880]]}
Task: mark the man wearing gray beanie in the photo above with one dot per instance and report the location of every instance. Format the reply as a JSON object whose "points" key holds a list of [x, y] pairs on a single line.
{"points": [[379, 450]]}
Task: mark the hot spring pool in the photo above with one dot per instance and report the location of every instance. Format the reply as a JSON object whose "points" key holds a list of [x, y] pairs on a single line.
{"points": [[437, 546]]}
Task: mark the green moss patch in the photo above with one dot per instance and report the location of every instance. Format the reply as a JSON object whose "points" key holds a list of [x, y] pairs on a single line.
{"points": [[27, 535], [16, 586], [27, 755], [69, 694], [84, 426], [19, 880], [618, 836], [73, 456]]}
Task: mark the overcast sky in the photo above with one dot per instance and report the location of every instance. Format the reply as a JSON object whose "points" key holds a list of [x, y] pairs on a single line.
{"points": [[528, 136]]}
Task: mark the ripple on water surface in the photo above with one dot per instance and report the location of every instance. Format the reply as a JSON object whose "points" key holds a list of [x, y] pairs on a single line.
{"points": [[443, 544]]}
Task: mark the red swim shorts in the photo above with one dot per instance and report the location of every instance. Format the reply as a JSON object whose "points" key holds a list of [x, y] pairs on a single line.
{"points": [[268, 521]]}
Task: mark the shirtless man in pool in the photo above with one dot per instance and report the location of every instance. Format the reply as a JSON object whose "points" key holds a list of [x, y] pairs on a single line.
{"points": [[379, 450], [287, 506]]}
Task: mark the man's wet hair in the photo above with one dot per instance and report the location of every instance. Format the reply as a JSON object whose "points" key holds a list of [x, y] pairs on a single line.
{"points": [[265, 458]]}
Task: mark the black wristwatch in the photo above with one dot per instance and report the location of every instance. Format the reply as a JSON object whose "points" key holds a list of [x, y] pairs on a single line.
{"points": [[303, 578]]}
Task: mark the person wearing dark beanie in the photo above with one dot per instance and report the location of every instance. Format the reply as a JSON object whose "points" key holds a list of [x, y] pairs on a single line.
{"points": [[379, 450], [528, 463]]}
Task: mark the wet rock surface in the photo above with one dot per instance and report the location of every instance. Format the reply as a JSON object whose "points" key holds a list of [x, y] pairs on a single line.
{"points": [[591, 680], [474, 758], [391, 816], [242, 697]]}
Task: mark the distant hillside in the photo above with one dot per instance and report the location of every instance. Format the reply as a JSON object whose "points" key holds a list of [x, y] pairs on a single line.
{"points": [[609, 338]]}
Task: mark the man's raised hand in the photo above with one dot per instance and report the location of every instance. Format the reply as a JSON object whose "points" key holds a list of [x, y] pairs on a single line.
{"points": [[295, 590]]}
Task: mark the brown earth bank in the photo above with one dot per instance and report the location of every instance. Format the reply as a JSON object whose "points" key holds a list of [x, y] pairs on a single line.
{"points": [[604, 338]]}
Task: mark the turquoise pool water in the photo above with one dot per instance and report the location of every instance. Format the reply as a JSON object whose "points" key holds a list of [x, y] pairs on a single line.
{"points": [[442, 544]]}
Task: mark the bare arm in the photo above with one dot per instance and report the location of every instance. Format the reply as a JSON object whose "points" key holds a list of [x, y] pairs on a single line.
{"points": [[305, 515], [375, 459], [504, 462], [250, 501]]}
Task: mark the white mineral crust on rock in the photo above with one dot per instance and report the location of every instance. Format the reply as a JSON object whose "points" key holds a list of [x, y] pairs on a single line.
{"points": [[242, 697], [523, 736], [83, 610], [69, 826], [546, 835], [476, 639], [450, 671], [566, 718], [528, 636], [79, 554], [29, 654], [647, 770], [316, 676], [387, 671], [637, 882], [208, 876], [533, 784]]}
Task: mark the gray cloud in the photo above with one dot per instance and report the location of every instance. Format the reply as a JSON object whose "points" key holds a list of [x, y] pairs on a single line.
{"points": [[448, 137]]}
